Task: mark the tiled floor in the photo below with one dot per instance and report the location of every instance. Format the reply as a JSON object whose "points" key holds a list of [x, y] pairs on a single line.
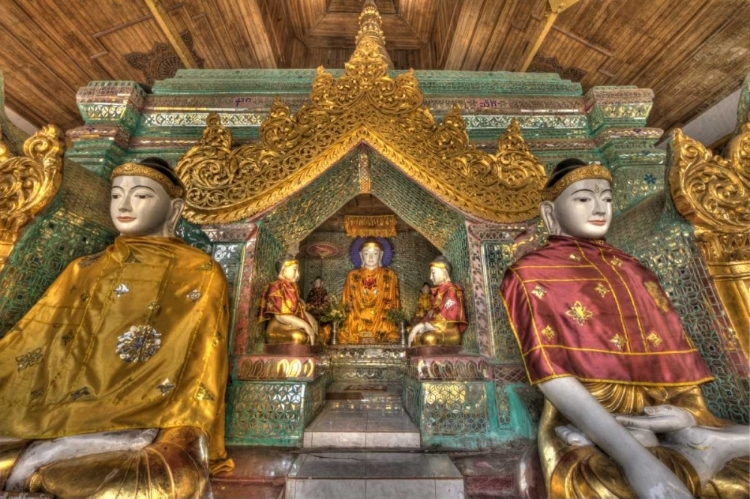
{"points": [[374, 475], [377, 420]]}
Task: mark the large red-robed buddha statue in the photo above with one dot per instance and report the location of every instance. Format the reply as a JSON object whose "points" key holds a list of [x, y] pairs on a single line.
{"points": [[624, 415]]}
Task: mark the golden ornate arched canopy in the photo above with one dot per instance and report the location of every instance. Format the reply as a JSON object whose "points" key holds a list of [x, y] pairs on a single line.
{"points": [[367, 105]]}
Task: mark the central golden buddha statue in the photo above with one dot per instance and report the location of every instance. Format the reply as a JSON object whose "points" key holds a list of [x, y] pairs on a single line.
{"points": [[112, 385], [369, 293]]}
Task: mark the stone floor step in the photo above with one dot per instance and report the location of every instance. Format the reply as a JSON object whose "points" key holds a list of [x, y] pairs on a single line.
{"points": [[365, 475], [366, 424]]}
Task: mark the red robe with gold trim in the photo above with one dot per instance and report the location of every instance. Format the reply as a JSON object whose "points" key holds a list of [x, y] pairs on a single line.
{"points": [[586, 309], [282, 297], [447, 306]]}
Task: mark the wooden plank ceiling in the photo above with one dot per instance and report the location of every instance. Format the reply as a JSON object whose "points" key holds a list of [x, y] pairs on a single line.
{"points": [[692, 53]]}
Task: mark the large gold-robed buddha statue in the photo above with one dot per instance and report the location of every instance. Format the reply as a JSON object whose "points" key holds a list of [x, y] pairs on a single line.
{"points": [[624, 416], [369, 293], [112, 385]]}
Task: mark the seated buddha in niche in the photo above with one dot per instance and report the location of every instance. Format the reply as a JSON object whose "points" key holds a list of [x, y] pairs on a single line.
{"points": [[369, 293], [445, 320], [112, 385], [624, 415], [283, 308]]}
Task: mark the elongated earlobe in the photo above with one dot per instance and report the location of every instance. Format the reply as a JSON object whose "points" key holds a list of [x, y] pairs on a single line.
{"points": [[178, 205], [547, 212]]}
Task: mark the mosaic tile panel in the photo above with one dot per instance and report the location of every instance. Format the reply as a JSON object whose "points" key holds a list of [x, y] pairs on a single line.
{"points": [[46, 247], [294, 219], [497, 257], [229, 256], [457, 252], [429, 216], [266, 412], [662, 241], [268, 250], [193, 235], [455, 408]]}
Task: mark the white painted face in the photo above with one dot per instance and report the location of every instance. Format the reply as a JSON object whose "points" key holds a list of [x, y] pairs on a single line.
{"points": [[438, 276], [371, 257], [139, 206], [583, 209], [290, 272]]}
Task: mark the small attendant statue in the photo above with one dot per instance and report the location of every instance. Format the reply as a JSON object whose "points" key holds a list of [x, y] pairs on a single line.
{"points": [[369, 293], [445, 321], [115, 379], [602, 342], [282, 307], [423, 305], [317, 298]]}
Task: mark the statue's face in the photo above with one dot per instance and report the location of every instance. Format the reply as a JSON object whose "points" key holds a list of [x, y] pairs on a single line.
{"points": [[426, 288], [140, 206], [290, 272], [371, 257], [583, 209], [317, 283], [438, 276]]}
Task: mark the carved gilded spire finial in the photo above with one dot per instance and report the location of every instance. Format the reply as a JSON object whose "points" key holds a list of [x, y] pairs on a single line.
{"points": [[370, 31]]}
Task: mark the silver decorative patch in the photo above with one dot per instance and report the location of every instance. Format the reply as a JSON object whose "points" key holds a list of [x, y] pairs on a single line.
{"points": [[121, 289], [194, 295], [138, 344], [166, 386]]}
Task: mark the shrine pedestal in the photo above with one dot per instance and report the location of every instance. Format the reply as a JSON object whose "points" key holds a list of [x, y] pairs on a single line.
{"points": [[272, 398], [457, 402], [375, 362]]}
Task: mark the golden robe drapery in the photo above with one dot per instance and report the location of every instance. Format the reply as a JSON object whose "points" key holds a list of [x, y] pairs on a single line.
{"points": [[369, 294], [132, 337]]}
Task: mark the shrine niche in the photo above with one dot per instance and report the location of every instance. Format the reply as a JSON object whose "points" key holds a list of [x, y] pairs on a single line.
{"points": [[303, 169]]}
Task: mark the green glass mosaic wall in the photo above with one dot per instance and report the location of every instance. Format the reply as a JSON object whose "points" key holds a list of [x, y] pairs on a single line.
{"points": [[663, 241], [268, 250]]}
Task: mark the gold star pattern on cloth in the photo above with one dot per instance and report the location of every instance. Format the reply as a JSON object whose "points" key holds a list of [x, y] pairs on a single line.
{"points": [[601, 289], [29, 359], [654, 338], [549, 333], [619, 341], [539, 292], [579, 313]]}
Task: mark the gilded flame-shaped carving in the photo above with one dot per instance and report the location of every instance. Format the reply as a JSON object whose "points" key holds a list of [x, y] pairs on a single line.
{"points": [[714, 193], [28, 183], [365, 104]]}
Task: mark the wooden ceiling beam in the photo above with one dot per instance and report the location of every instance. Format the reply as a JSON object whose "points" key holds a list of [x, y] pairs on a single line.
{"points": [[555, 7], [170, 31]]}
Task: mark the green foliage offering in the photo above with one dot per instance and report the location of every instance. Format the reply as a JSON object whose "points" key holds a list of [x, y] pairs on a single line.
{"points": [[334, 312], [396, 316]]}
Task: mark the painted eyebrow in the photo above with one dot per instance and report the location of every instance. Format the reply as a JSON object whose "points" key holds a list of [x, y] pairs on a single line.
{"points": [[144, 186]]}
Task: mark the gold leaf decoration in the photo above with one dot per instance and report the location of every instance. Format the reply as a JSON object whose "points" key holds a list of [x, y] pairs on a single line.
{"points": [[713, 193], [370, 226], [710, 191], [365, 104], [28, 183]]}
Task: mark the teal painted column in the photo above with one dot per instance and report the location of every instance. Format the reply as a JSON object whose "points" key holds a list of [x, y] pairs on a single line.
{"points": [[111, 111], [617, 118]]}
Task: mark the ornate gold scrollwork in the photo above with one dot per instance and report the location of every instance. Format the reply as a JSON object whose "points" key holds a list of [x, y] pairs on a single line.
{"points": [[713, 193], [28, 183], [365, 104]]}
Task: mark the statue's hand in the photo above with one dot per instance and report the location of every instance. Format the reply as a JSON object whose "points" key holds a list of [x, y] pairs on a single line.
{"points": [[416, 330], [659, 419], [572, 436]]}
